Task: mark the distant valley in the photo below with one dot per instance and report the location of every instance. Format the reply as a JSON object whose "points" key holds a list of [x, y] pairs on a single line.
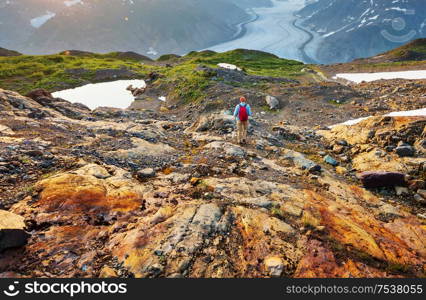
{"points": [[322, 31]]}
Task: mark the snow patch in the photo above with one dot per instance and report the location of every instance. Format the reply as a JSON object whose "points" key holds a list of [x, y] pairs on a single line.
{"points": [[360, 77], [69, 3], [228, 66], [407, 113], [40, 21]]}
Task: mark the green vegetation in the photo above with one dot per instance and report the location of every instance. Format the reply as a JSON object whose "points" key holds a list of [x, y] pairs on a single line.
{"points": [[182, 79], [253, 62], [168, 57], [190, 83], [415, 50], [53, 72], [411, 56]]}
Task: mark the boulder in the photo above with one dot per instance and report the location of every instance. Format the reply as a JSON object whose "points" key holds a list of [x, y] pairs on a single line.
{"points": [[401, 190], [272, 102], [218, 122], [66, 108], [39, 93], [228, 148], [12, 233], [405, 151], [301, 161], [287, 132], [146, 173], [382, 179]]}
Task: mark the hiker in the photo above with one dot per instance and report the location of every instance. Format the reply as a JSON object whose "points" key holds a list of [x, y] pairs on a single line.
{"points": [[242, 113]]}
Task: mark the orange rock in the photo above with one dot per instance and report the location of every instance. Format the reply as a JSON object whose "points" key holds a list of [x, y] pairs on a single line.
{"points": [[75, 192], [355, 227], [320, 262]]}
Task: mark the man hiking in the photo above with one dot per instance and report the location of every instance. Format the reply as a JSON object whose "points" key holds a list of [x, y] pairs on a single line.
{"points": [[242, 113]]}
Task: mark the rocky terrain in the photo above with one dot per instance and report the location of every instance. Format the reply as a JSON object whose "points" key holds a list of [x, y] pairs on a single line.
{"points": [[139, 193], [161, 189]]}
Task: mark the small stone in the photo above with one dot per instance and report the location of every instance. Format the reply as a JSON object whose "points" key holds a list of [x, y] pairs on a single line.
{"points": [[418, 198], [34, 153], [108, 272], [400, 190], [422, 193], [274, 266], [344, 158], [415, 185], [338, 149], [314, 169], [341, 170], [146, 173], [330, 160], [389, 148], [342, 143], [175, 275], [194, 181]]}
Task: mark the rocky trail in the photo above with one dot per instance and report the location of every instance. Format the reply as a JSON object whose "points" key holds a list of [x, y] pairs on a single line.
{"points": [[126, 193]]}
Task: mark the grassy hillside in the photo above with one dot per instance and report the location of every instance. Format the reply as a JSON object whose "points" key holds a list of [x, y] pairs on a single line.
{"points": [[189, 83], [415, 50], [55, 72], [411, 56]]}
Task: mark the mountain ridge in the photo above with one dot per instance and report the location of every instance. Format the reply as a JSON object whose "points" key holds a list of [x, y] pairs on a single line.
{"points": [[353, 29], [150, 26]]}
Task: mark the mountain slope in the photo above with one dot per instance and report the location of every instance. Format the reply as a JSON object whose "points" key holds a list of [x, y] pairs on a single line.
{"points": [[353, 29], [7, 52]]}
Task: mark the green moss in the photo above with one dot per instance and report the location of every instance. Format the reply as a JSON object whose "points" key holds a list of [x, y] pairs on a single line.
{"points": [[168, 57], [277, 212], [398, 268], [26, 72], [253, 62]]}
